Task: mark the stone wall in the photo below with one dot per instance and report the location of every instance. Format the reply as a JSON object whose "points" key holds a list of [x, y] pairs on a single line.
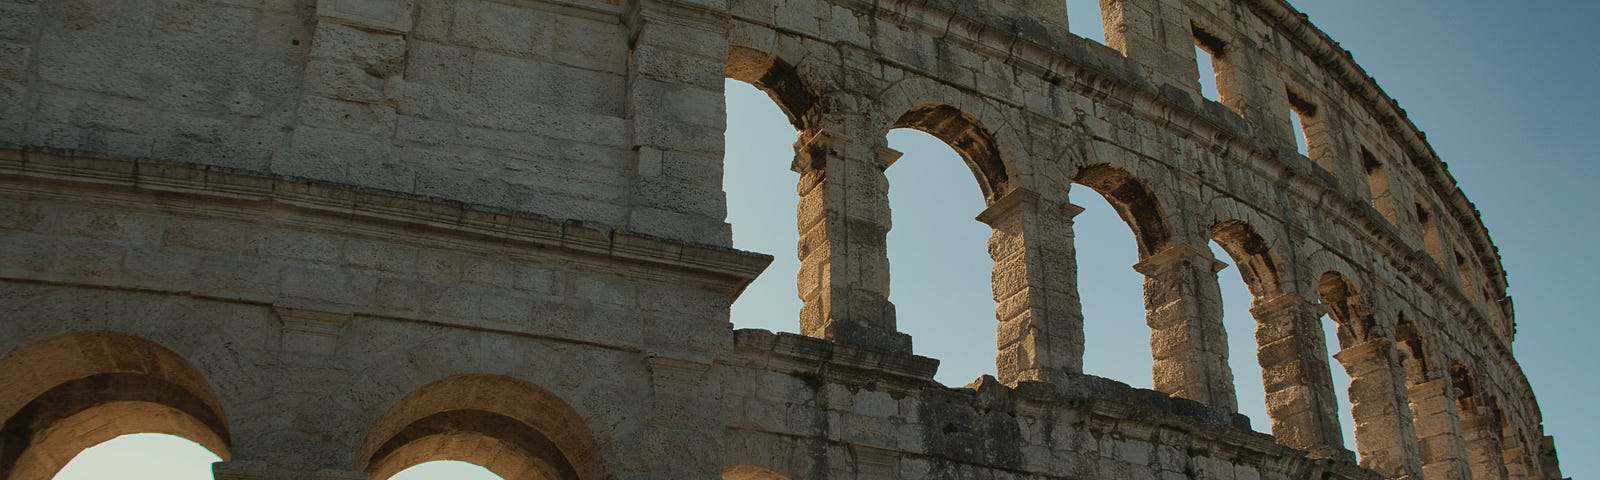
{"points": [[336, 238]]}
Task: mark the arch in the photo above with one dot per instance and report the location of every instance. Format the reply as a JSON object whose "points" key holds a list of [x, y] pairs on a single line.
{"points": [[1349, 311], [1134, 202], [1465, 388], [968, 137], [985, 136], [72, 391], [748, 472], [779, 79], [1413, 352], [1252, 254], [511, 427]]}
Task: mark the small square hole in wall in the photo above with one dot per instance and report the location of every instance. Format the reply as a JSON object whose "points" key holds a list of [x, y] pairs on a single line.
{"points": [[1085, 19], [1208, 79], [1301, 112], [1208, 53]]}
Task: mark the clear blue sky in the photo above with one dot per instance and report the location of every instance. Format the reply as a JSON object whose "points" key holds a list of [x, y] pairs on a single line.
{"points": [[1500, 88]]}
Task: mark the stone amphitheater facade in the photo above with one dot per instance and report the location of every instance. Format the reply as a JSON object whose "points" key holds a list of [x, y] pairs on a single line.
{"points": [[331, 239]]}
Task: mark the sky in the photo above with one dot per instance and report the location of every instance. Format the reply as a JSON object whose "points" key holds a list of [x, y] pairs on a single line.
{"points": [[1500, 88]]}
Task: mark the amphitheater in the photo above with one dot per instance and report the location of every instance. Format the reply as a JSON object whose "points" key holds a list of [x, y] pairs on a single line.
{"points": [[332, 239]]}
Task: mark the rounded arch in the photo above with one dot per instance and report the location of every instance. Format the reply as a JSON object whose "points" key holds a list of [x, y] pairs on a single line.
{"points": [[511, 427], [1465, 387], [1134, 202], [968, 137], [1252, 254], [972, 126], [779, 79], [748, 472], [1349, 310], [1412, 349], [72, 391]]}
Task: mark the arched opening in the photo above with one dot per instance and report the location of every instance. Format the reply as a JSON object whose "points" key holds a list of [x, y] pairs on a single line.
{"points": [[446, 469], [1116, 339], [70, 392], [1413, 358], [1255, 279], [747, 472], [931, 196], [1378, 419], [761, 192], [938, 262], [510, 427], [142, 455], [1117, 299]]}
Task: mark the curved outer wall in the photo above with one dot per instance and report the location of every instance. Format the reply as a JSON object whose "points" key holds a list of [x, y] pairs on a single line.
{"points": [[317, 208]]}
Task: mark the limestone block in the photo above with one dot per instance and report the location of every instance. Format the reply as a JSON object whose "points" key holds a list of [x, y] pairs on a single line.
{"points": [[391, 15], [503, 28]]}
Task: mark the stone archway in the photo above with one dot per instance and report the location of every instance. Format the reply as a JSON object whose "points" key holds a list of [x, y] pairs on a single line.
{"points": [[72, 391], [511, 427]]}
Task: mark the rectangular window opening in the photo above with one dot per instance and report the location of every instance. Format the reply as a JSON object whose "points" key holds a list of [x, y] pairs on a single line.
{"points": [[1208, 55], [1302, 112], [1086, 19], [1377, 185]]}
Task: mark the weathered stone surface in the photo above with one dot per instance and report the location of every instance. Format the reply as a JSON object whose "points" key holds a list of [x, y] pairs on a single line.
{"points": [[333, 239]]}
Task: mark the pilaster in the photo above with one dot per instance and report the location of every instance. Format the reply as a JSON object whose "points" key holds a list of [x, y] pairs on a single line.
{"points": [[1385, 434], [1440, 447], [1294, 370], [843, 220], [1183, 305], [1481, 432], [1040, 332]]}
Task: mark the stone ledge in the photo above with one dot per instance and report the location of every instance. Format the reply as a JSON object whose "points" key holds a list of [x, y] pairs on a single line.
{"points": [[788, 352], [1107, 404], [144, 176]]}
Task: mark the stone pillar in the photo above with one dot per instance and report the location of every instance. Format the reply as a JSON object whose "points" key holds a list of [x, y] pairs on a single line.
{"points": [[1482, 436], [1157, 34], [1294, 372], [1438, 434], [1040, 334], [1049, 15], [1516, 462], [677, 131], [1385, 435], [844, 225], [1183, 306], [686, 413]]}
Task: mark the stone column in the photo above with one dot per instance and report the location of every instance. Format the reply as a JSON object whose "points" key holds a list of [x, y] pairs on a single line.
{"points": [[1183, 306], [1385, 435], [1516, 463], [843, 220], [1294, 372], [677, 132], [1482, 436], [1040, 335], [1438, 434]]}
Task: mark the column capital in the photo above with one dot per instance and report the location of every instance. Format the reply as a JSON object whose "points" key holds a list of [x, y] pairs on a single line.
{"points": [[331, 474], [1016, 198], [239, 470], [1361, 351], [1432, 387], [1174, 254], [1007, 205], [886, 156], [1284, 302]]}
